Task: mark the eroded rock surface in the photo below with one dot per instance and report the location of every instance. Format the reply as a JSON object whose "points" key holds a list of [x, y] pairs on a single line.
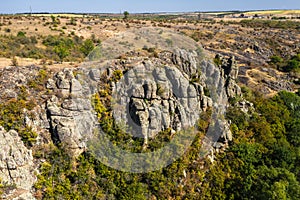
{"points": [[178, 88], [158, 98], [70, 113], [172, 94], [16, 165]]}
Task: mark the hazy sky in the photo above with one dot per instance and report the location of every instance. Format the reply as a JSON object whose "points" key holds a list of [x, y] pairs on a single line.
{"points": [[116, 6]]}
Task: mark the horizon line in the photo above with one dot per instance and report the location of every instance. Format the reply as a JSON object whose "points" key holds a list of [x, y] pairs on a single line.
{"points": [[159, 12]]}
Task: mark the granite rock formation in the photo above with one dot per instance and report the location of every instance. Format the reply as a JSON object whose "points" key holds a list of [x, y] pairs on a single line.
{"points": [[16, 165], [179, 87], [70, 114]]}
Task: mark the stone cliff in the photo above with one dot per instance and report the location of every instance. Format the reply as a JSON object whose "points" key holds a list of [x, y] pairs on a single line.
{"points": [[178, 88]]}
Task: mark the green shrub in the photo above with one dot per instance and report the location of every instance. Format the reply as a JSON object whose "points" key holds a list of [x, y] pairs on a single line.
{"points": [[72, 22], [62, 51], [1, 187], [291, 64], [87, 47], [39, 81], [116, 76], [98, 106], [217, 61], [12, 116], [21, 34], [276, 60], [258, 23]]}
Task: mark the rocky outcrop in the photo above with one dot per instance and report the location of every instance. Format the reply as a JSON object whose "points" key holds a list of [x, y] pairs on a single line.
{"points": [[158, 98], [172, 95], [220, 82], [164, 92], [279, 85], [245, 106], [70, 113], [229, 71], [16, 165], [12, 78], [158, 95]]}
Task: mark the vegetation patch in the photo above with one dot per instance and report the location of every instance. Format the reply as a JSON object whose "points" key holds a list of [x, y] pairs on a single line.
{"points": [[57, 48], [292, 64], [257, 23], [12, 116]]}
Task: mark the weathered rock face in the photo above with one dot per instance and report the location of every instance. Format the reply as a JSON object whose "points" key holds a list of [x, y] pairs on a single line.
{"points": [[229, 70], [158, 98], [279, 85], [167, 99], [70, 112], [163, 93], [171, 96], [16, 165], [161, 96], [220, 81], [12, 78]]}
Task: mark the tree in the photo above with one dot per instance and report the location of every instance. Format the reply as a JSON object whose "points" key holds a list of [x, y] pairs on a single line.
{"points": [[87, 47], [62, 51], [126, 14], [275, 183], [53, 19]]}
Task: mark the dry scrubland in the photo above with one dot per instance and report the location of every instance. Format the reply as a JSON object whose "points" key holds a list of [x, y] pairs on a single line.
{"points": [[252, 37]]}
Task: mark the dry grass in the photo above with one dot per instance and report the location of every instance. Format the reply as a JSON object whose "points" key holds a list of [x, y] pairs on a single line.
{"points": [[57, 15], [275, 12], [215, 36], [22, 62]]}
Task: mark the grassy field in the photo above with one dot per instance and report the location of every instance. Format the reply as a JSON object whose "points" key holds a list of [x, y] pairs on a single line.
{"points": [[58, 15], [275, 12], [259, 12]]}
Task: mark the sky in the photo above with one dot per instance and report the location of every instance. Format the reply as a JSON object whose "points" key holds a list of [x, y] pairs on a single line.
{"points": [[142, 6]]}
